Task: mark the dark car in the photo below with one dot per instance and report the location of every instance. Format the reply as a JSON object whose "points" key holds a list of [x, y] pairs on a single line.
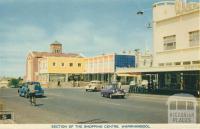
{"points": [[112, 91], [24, 89]]}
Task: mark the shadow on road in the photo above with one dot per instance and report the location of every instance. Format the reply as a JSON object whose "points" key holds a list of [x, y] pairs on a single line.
{"points": [[37, 105], [41, 97]]}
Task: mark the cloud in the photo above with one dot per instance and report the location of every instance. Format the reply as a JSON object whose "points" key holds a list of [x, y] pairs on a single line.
{"points": [[80, 36], [90, 27]]}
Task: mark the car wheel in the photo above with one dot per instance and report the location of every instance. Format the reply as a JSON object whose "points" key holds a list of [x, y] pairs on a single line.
{"points": [[86, 90], [110, 96], [122, 97]]}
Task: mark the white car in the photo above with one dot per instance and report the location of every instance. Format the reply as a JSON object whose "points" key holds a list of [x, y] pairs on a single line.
{"points": [[94, 86], [144, 83]]}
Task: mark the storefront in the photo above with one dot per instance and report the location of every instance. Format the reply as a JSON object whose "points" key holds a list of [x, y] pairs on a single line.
{"points": [[169, 80]]}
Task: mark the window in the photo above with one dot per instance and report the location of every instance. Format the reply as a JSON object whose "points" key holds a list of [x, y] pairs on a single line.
{"points": [[194, 37], [144, 62], [196, 62], [54, 64], [79, 64], [177, 63], [186, 63], [70, 64], [169, 42], [161, 64], [62, 64]]}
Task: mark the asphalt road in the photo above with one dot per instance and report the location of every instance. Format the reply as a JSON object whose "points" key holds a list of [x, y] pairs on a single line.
{"points": [[77, 106]]}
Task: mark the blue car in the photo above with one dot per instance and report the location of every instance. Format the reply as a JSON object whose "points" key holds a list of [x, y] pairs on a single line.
{"points": [[24, 89], [112, 91]]}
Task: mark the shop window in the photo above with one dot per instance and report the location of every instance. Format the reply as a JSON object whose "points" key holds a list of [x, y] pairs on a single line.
{"points": [[194, 37], [169, 42]]}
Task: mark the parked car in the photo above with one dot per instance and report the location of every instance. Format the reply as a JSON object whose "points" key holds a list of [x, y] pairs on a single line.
{"points": [[24, 89], [112, 91], [94, 86], [144, 83]]}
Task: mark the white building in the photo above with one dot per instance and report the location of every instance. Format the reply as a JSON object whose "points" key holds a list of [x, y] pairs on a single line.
{"points": [[176, 33], [176, 48], [143, 59]]}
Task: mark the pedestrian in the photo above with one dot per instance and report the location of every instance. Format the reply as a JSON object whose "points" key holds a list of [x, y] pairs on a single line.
{"points": [[31, 90]]}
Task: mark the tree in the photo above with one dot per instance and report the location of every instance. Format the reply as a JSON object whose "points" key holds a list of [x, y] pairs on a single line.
{"points": [[14, 82]]}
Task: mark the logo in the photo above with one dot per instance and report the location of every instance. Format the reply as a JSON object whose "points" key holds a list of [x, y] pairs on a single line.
{"points": [[182, 108]]}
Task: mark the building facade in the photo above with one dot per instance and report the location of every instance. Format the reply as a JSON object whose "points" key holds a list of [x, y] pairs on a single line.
{"points": [[143, 59], [103, 67], [176, 48], [176, 32], [52, 66], [59, 69], [55, 67], [176, 35]]}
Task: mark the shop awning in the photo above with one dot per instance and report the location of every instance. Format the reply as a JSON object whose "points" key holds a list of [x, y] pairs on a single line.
{"points": [[127, 75], [158, 69]]}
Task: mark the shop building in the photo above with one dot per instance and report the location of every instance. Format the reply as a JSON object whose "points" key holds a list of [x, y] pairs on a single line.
{"points": [[176, 48], [103, 67], [53, 66]]}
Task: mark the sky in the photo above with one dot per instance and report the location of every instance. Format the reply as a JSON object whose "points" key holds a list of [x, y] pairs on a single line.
{"points": [[89, 27]]}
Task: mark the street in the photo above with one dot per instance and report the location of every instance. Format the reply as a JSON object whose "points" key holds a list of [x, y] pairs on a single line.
{"points": [[74, 105]]}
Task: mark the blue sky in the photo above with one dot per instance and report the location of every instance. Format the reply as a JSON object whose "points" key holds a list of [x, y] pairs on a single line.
{"points": [[90, 27]]}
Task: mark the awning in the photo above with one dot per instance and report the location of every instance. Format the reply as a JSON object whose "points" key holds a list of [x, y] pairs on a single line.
{"points": [[127, 75], [158, 69]]}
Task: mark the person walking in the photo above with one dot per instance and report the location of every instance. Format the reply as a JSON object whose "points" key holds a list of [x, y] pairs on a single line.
{"points": [[32, 91]]}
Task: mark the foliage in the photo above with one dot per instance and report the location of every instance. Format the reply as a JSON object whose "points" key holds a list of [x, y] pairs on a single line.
{"points": [[15, 82]]}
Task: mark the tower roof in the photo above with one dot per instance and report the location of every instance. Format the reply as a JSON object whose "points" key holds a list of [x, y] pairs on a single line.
{"points": [[56, 43]]}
